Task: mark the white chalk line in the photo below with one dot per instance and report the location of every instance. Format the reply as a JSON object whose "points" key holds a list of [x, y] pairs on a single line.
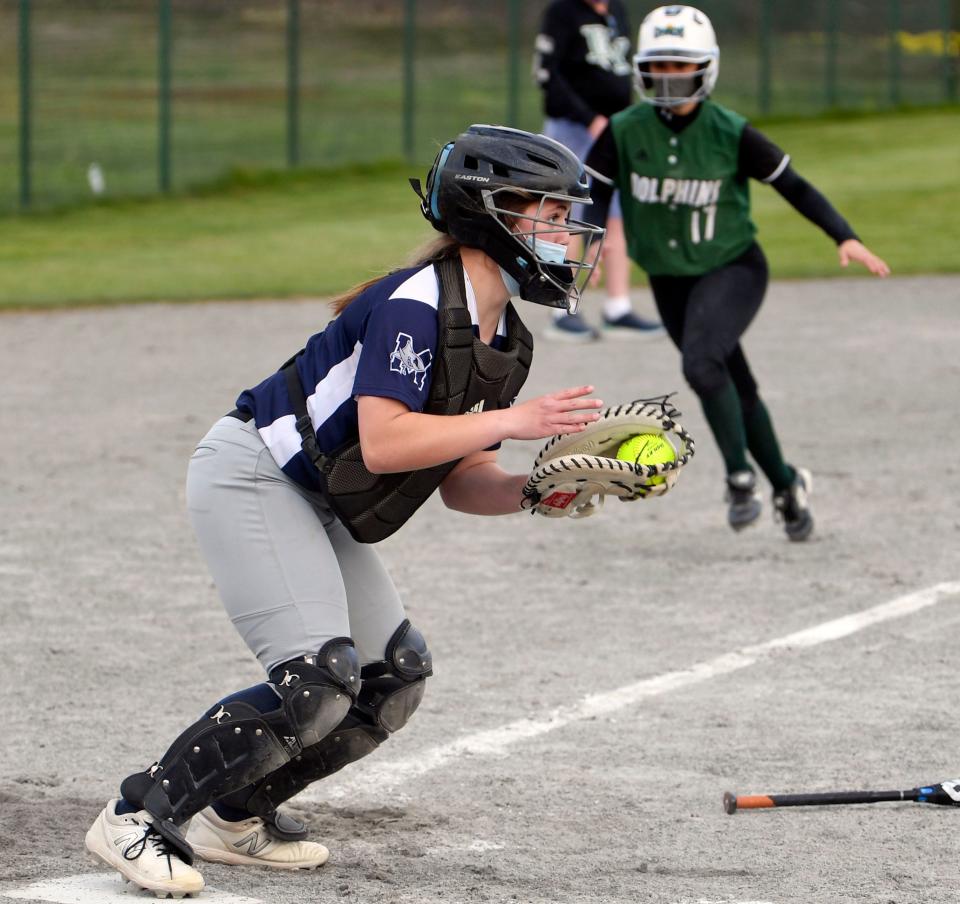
{"points": [[106, 888], [101, 888], [720, 901], [494, 742]]}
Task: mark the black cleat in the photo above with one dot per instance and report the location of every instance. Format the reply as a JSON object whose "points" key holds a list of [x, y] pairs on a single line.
{"points": [[744, 500], [792, 508]]}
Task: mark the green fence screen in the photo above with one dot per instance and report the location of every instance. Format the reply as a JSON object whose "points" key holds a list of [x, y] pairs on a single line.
{"points": [[131, 97]]}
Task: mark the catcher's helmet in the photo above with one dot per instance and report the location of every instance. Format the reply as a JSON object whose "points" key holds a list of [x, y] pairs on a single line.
{"points": [[484, 168], [677, 34]]}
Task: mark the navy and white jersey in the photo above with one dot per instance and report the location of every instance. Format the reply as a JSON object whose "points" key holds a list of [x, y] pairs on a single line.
{"points": [[382, 344]]}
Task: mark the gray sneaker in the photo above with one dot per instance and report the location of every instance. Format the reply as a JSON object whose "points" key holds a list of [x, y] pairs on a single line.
{"points": [[571, 328], [792, 507], [744, 501], [632, 326]]}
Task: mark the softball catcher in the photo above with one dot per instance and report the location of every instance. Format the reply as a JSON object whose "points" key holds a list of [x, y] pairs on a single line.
{"points": [[410, 388], [682, 164]]}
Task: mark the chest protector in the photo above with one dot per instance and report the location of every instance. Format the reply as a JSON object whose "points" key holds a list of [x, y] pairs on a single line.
{"points": [[467, 376]]}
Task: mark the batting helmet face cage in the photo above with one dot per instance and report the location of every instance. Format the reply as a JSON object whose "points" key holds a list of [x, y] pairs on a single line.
{"points": [[475, 189], [676, 34]]}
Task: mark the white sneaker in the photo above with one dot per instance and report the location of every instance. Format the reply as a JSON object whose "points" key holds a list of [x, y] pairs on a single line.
{"points": [[130, 845], [249, 843]]}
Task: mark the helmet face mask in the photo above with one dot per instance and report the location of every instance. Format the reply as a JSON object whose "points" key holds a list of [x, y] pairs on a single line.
{"points": [[481, 188], [670, 89], [542, 280], [676, 34]]}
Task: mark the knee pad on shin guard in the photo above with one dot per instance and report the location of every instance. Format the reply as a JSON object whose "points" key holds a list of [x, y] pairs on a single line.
{"points": [[392, 689], [235, 743], [390, 693]]}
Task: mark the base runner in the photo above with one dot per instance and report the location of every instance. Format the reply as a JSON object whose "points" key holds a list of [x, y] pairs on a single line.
{"points": [[682, 165]]}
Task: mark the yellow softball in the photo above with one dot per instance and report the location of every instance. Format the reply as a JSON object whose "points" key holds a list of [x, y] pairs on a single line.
{"points": [[647, 449]]}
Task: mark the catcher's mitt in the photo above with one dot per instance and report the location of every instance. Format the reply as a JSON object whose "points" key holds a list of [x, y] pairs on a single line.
{"points": [[575, 471]]}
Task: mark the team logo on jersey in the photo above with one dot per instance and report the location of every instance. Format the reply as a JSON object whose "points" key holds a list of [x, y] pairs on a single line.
{"points": [[407, 362], [606, 51], [692, 192], [476, 409]]}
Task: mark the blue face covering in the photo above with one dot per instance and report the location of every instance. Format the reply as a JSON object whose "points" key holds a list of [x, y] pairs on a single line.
{"points": [[548, 252]]}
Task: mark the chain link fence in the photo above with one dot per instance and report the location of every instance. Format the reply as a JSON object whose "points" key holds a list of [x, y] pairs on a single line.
{"points": [[129, 97]]}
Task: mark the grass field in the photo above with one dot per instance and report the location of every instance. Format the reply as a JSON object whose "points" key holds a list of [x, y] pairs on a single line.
{"points": [[94, 82], [895, 176]]}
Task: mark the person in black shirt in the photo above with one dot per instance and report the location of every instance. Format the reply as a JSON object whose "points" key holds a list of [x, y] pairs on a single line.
{"points": [[582, 64]]}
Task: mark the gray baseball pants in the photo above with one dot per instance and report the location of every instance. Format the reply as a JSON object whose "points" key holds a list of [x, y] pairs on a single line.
{"points": [[290, 575]]}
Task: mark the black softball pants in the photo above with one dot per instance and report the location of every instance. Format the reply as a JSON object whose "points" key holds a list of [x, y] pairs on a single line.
{"points": [[705, 316]]}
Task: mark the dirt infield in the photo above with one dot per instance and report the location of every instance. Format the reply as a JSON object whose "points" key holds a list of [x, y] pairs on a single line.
{"points": [[516, 782]]}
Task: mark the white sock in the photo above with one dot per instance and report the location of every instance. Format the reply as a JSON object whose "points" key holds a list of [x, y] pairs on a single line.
{"points": [[616, 306]]}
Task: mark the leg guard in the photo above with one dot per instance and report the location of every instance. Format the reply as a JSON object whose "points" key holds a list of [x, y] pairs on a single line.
{"points": [[235, 743], [391, 692]]}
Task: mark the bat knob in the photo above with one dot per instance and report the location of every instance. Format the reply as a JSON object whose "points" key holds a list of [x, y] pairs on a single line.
{"points": [[730, 802]]}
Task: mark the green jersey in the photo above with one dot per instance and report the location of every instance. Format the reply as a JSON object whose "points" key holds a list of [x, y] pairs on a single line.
{"points": [[686, 209]]}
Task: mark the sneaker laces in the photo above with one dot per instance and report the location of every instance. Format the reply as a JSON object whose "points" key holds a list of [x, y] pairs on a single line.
{"points": [[155, 840]]}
